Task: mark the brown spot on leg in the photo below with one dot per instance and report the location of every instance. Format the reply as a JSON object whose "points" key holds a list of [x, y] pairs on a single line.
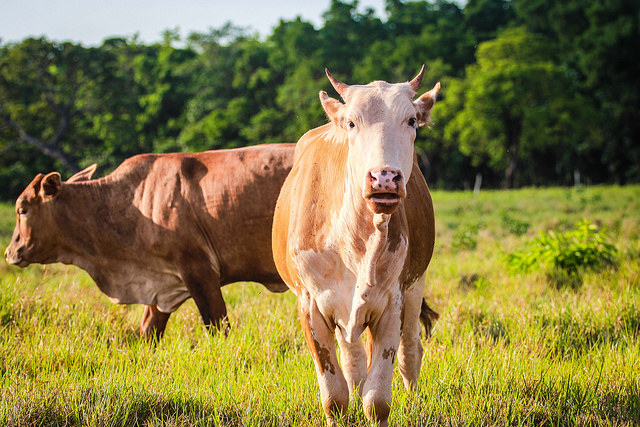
{"points": [[324, 358], [320, 354], [334, 390], [389, 353]]}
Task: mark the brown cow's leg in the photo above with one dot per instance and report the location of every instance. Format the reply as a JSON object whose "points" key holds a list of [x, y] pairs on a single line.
{"points": [[204, 287], [217, 310], [334, 391], [153, 322]]}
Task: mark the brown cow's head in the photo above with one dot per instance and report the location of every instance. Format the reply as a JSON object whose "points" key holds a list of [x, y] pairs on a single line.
{"points": [[381, 121], [36, 236]]}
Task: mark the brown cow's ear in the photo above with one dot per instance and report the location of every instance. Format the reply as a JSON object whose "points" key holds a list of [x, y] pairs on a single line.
{"points": [[83, 175], [332, 107], [51, 185], [425, 103]]}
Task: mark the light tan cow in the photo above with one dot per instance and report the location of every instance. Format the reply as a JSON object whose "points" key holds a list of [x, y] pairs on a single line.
{"points": [[161, 228], [353, 234]]}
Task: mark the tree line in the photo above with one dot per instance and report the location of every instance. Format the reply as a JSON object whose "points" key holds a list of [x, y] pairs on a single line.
{"points": [[534, 92]]}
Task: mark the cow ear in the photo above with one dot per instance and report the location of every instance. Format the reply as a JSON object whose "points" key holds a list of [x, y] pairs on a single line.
{"points": [[83, 175], [50, 186], [332, 107], [425, 103]]}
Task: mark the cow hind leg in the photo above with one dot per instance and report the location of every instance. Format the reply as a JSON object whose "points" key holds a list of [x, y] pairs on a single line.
{"points": [[153, 322], [334, 391], [410, 351]]}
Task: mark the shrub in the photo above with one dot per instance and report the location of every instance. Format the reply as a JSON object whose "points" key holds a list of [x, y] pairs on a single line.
{"points": [[472, 281], [566, 253], [466, 237], [514, 225]]}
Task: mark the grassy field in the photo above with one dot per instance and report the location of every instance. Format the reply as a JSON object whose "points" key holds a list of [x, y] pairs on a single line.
{"points": [[509, 348]]}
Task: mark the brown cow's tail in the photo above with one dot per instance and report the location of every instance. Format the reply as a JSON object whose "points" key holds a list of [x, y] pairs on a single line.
{"points": [[428, 317]]}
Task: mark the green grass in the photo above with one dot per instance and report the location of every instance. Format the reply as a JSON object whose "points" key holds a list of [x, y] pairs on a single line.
{"points": [[509, 349]]}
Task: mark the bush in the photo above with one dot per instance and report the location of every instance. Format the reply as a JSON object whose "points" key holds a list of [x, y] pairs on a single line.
{"points": [[465, 237], [514, 225], [566, 253]]}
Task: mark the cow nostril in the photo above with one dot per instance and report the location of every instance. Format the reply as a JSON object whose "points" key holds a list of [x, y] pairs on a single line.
{"points": [[397, 178]]}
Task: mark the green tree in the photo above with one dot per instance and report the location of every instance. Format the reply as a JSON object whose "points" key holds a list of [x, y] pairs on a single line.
{"points": [[346, 35], [418, 33], [44, 86], [516, 101], [164, 91], [486, 17], [599, 41], [215, 112]]}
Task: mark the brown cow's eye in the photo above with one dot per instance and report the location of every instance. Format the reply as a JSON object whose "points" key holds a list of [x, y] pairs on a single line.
{"points": [[21, 211], [412, 122]]}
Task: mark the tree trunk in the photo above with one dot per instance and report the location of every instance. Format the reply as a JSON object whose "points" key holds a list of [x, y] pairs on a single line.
{"points": [[511, 168], [514, 131]]}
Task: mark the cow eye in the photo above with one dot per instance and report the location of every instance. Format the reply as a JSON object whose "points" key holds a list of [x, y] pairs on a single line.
{"points": [[412, 122], [22, 211], [351, 124]]}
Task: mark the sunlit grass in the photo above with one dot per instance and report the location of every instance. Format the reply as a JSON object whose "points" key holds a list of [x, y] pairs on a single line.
{"points": [[509, 349]]}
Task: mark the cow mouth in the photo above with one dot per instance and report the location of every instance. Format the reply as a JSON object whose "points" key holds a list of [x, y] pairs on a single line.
{"points": [[384, 198], [15, 258], [17, 261], [383, 203]]}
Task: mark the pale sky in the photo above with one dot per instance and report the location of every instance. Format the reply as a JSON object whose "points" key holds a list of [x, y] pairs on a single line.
{"points": [[91, 21]]}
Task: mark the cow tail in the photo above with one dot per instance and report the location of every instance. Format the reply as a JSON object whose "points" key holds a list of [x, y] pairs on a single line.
{"points": [[428, 317]]}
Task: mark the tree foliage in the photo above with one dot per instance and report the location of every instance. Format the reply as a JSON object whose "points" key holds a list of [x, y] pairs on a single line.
{"points": [[517, 102], [533, 91]]}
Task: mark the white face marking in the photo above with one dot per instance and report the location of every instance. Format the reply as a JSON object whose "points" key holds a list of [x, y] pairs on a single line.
{"points": [[379, 119]]}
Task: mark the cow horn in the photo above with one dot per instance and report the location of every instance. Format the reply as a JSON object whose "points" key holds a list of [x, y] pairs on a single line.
{"points": [[340, 87], [417, 80]]}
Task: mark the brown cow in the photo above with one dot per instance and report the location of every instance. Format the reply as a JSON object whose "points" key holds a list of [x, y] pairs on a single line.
{"points": [[161, 228], [353, 234]]}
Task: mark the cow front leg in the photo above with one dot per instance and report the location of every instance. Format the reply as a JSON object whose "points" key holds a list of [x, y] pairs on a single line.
{"points": [[216, 316], [204, 287], [334, 391], [376, 395], [153, 322], [353, 359], [410, 351]]}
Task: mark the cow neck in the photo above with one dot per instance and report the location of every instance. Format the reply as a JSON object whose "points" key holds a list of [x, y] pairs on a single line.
{"points": [[362, 235], [86, 213]]}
